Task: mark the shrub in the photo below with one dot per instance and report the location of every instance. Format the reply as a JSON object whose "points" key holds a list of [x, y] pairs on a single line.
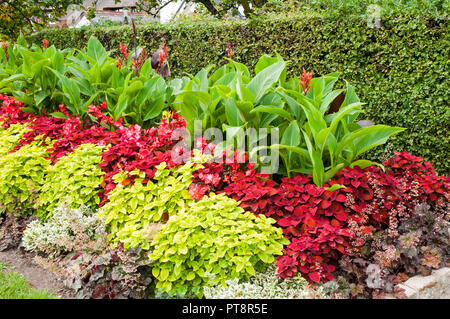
{"points": [[133, 209], [324, 223], [400, 69], [109, 274], [22, 176], [11, 112], [75, 178], [70, 141], [10, 137], [264, 286], [212, 241], [48, 127], [11, 230], [143, 149], [414, 245], [78, 80], [318, 136], [67, 230]]}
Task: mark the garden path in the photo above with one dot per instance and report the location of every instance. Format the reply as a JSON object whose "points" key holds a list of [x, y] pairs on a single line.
{"points": [[37, 276]]}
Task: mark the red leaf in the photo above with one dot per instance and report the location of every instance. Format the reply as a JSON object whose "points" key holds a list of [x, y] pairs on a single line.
{"points": [[341, 215], [310, 222], [325, 204], [285, 222], [335, 223], [304, 269], [355, 183], [314, 276]]}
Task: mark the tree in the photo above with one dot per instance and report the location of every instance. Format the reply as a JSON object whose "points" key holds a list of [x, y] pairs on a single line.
{"points": [[216, 8], [30, 15]]}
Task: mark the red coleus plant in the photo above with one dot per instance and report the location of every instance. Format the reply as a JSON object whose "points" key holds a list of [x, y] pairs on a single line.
{"points": [[93, 134], [136, 148], [324, 225], [11, 112], [219, 171], [50, 127], [105, 120]]}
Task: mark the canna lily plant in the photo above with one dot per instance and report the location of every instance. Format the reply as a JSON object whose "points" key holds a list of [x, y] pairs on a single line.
{"points": [[314, 139], [230, 98], [319, 142], [44, 78]]}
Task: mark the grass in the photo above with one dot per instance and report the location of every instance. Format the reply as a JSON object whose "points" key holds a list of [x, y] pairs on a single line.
{"points": [[14, 286]]}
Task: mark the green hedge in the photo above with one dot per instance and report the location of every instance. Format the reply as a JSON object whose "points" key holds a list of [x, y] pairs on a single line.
{"points": [[401, 70]]}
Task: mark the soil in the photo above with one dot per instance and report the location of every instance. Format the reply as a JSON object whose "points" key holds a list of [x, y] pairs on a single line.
{"points": [[37, 276]]}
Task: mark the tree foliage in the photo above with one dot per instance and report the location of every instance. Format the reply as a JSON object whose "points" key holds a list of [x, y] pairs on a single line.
{"points": [[30, 15], [216, 8]]}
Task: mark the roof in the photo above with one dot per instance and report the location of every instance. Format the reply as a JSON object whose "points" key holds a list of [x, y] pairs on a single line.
{"points": [[110, 4]]}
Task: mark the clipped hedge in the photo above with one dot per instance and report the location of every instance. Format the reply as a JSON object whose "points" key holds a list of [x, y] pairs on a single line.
{"points": [[400, 70]]}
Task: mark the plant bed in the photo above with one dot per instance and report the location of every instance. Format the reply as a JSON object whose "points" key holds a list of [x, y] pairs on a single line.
{"points": [[127, 209]]}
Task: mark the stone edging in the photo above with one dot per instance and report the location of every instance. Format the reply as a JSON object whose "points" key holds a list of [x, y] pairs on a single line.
{"points": [[435, 286]]}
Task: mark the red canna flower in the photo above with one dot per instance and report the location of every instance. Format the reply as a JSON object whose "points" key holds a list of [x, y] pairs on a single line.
{"points": [[119, 63], [229, 51], [124, 50], [45, 43], [163, 54], [5, 46], [305, 79]]}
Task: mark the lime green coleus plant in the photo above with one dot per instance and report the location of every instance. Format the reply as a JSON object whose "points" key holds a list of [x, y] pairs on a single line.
{"points": [[75, 177], [212, 241], [11, 136], [133, 210], [22, 176]]}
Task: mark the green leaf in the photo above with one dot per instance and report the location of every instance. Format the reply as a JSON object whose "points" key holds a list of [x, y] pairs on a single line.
{"points": [[291, 136], [232, 113], [96, 51], [265, 79], [272, 110]]}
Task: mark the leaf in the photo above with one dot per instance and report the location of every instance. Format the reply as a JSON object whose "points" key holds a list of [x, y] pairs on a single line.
{"points": [[58, 115], [164, 274], [291, 136], [232, 113], [244, 93], [155, 109], [335, 187], [190, 276], [325, 103], [365, 163], [367, 138], [264, 79], [316, 159], [272, 110], [314, 276], [266, 61], [96, 51]]}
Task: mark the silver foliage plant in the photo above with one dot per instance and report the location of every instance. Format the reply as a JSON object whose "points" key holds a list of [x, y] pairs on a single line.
{"points": [[265, 286], [66, 231]]}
